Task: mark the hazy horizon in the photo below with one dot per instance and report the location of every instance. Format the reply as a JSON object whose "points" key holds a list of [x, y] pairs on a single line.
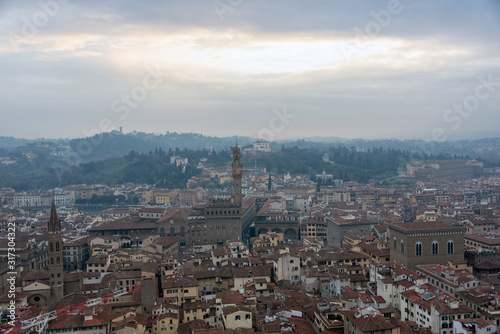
{"points": [[256, 138]]}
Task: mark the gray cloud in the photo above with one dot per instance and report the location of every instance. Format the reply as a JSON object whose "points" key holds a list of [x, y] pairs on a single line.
{"points": [[224, 77]]}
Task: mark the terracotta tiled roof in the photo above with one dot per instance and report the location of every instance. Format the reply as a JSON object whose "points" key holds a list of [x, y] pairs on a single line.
{"points": [[381, 228], [230, 297], [369, 323], [424, 225], [176, 281], [189, 327], [76, 243], [128, 274], [204, 274], [221, 251], [486, 265], [152, 210], [405, 283], [73, 299], [97, 260], [490, 240], [36, 275], [177, 213], [166, 241], [251, 271], [19, 295], [73, 276], [100, 316], [130, 223], [442, 308], [232, 309], [480, 321], [477, 297]]}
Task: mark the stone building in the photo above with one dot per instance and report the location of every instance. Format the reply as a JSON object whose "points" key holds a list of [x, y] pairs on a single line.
{"points": [[75, 253], [222, 220], [56, 268], [129, 226], [314, 228], [174, 222], [337, 227], [444, 169], [426, 242], [273, 217]]}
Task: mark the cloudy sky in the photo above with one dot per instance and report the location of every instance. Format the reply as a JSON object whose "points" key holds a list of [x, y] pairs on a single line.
{"points": [[278, 69]]}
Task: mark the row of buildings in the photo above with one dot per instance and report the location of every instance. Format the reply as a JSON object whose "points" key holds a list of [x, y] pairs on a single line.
{"points": [[278, 260]]}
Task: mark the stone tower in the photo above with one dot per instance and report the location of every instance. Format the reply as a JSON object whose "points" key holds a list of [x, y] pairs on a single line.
{"points": [[237, 174], [55, 259]]}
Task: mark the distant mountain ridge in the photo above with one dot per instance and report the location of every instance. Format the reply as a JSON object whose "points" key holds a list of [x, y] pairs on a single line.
{"points": [[115, 144], [11, 142], [113, 157]]}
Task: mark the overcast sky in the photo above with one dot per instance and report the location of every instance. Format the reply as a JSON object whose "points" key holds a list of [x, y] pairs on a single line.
{"points": [[353, 69]]}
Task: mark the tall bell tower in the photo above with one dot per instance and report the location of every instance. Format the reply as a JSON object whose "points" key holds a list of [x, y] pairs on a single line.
{"points": [[56, 268], [237, 174]]}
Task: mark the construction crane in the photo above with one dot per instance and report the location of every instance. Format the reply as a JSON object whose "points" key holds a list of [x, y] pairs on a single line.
{"points": [[20, 325]]}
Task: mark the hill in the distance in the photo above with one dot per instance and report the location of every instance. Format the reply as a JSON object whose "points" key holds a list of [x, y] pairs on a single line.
{"points": [[107, 158]]}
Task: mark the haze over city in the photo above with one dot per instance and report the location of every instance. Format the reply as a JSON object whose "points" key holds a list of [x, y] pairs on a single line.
{"points": [[356, 69], [249, 166]]}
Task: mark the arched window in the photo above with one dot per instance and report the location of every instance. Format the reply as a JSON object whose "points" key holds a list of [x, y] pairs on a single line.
{"points": [[247, 316], [395, 248], [57, 246], [172, 230], [435, 249], [51, 246], [450, 247], [183, 229], [402, 247], [237, 317], [418, 249]]}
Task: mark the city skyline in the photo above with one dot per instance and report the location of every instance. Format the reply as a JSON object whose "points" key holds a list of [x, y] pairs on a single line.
{"points": [[385, 69]]}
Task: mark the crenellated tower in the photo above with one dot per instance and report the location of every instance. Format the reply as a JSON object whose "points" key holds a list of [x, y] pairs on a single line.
{"points": [[237, 174], [56, 268]]}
